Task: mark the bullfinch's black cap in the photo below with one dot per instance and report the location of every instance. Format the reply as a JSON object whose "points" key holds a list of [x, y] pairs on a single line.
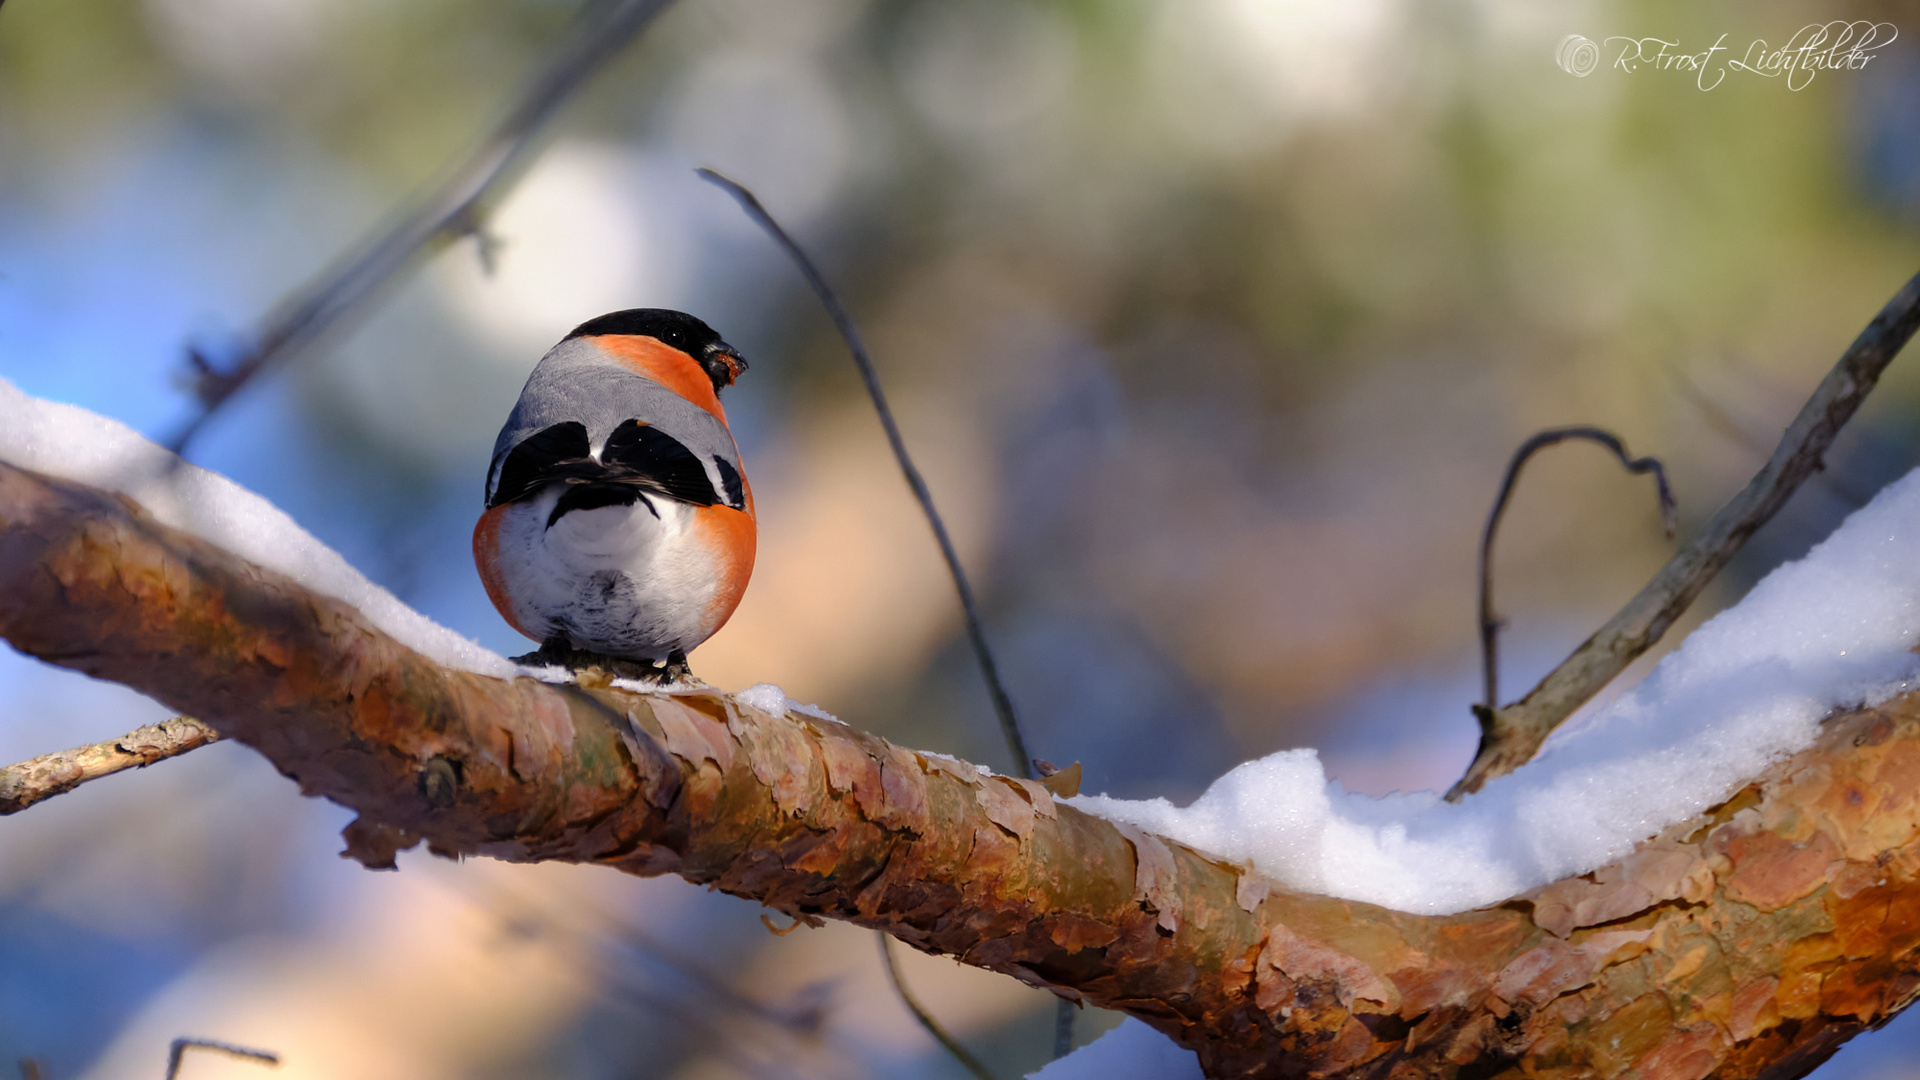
{"points": [[722, 361]]}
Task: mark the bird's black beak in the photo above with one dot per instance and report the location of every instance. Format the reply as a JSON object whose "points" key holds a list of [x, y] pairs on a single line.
{"points": [[723, 364]]}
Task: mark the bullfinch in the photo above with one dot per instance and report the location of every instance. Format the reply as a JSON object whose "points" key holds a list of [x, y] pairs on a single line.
{"points": [[619, 524]]}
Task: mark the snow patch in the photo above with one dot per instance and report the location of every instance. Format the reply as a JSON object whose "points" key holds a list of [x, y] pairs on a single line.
{"points": [[981, 769], [69, 442], [1834, 630], [772, 700]]}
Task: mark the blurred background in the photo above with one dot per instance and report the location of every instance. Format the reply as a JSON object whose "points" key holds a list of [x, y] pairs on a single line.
{"points": [[1212, 323]]}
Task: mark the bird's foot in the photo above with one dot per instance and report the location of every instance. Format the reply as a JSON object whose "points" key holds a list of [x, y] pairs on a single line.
{"points": [[675, 670], [584, 661]]}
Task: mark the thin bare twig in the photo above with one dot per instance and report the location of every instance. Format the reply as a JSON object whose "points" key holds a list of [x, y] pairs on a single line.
{"points": [[1733, 430], [976, 629], [591, 929], [960, 1053], [181, 1046], [1064, 1017], [758, 1055], [613, 950], [1490, 623], [1516, 731], [48, 775], [456, 208]]}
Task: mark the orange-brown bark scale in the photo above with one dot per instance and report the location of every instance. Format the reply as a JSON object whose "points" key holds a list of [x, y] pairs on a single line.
{"points": [[1749, 942]]}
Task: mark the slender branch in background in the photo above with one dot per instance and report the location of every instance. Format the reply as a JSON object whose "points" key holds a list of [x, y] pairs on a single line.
{"points": [[1490, 623], [960, 1053], [1514, 733], [48, 775], [29, 1068], [181, 1046], [458, 207], [1736, 432], [600, 939], [611, 955], [976, 630], [714, 1009]]}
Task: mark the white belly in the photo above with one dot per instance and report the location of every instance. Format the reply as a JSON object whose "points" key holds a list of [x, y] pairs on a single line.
{"points": [[617, 580]]}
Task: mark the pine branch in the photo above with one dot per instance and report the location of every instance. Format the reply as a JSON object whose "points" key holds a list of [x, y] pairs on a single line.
{"points": [[1736, 944]]}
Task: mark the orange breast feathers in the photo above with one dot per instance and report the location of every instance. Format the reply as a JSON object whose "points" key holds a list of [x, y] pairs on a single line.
{"points": [[732, 537], [486, 556], [665, 365]]}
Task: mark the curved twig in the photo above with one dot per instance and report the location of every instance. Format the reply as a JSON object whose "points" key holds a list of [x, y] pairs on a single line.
{"points": [[29, 782], [976, 631], [454, 209], [960, 1053], [1513, 734], [1489, 622]]}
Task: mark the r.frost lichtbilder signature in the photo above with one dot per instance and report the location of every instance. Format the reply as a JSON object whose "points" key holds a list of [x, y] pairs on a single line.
{"points": [[1835, 46]]}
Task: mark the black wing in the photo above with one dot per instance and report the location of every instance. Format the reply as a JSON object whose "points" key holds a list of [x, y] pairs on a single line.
{"points": [[637, 458], [735, 491], [652, 460], [560, 452]]}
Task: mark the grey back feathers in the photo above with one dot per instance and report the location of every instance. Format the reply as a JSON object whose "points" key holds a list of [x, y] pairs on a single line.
{"points": [[577, 383]]}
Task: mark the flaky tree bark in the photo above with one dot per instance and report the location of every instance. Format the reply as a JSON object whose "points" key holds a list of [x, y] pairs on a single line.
{"points": [[42, 778], [1749, 942]]}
